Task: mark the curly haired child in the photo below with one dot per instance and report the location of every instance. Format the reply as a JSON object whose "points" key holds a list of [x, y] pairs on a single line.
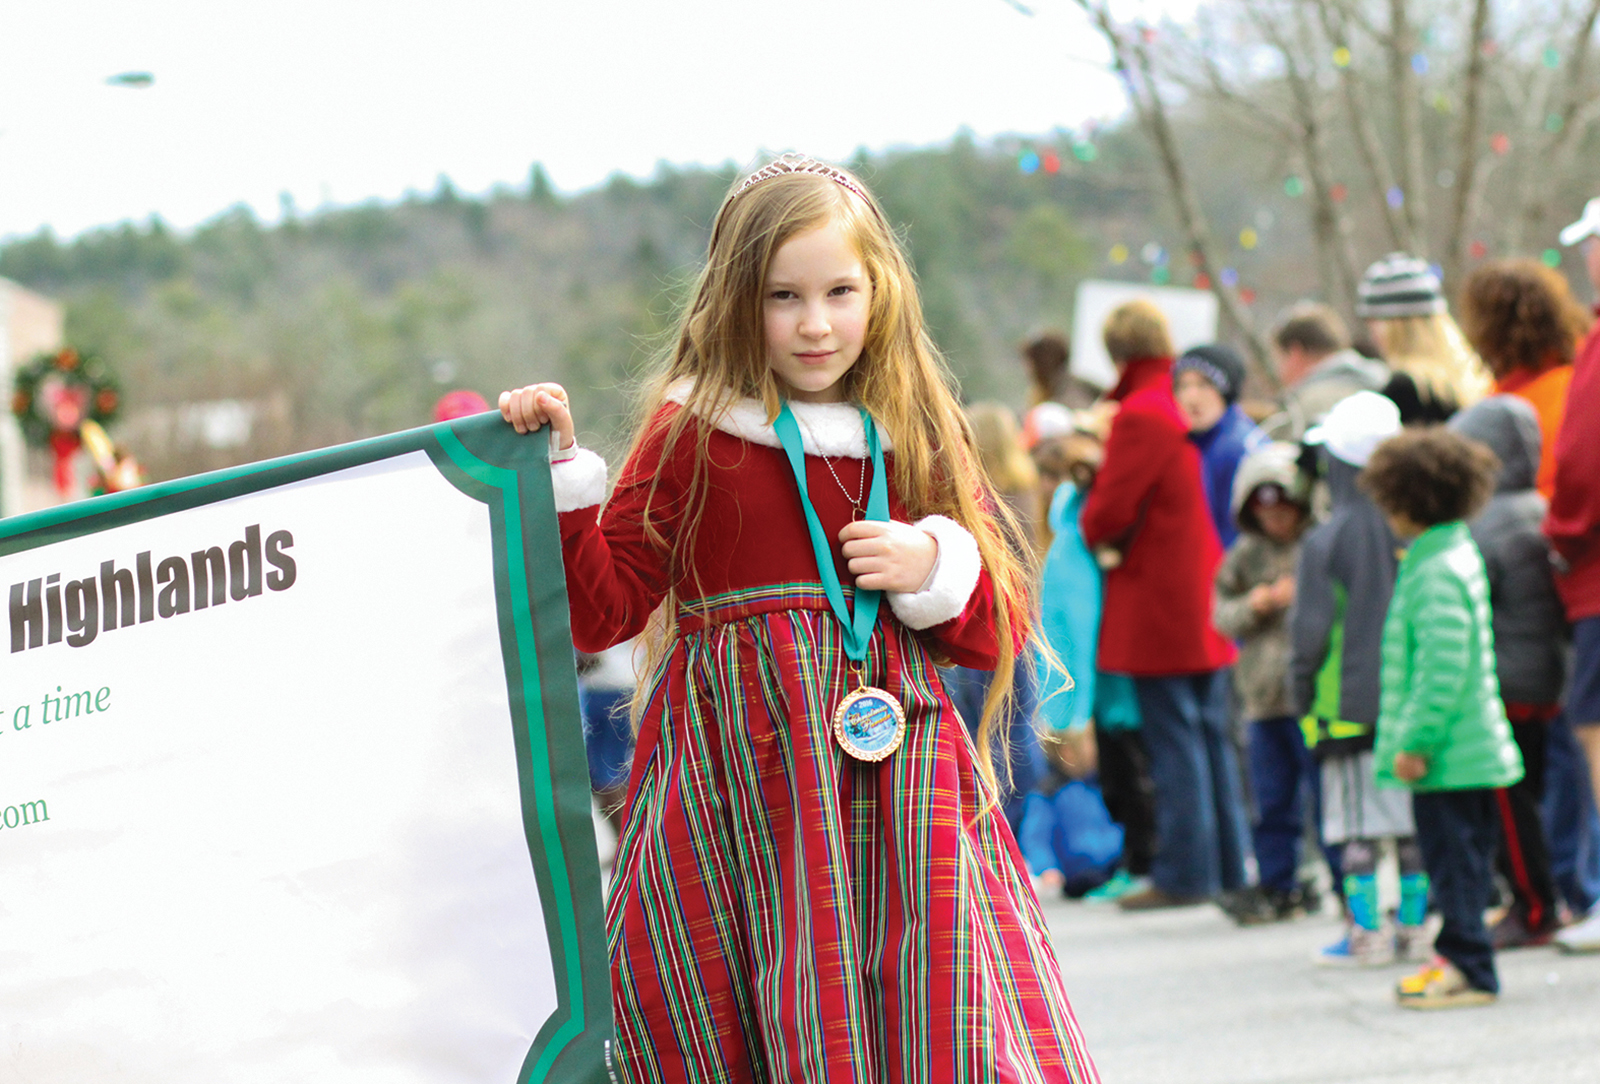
{"points": [[1442, 728]]}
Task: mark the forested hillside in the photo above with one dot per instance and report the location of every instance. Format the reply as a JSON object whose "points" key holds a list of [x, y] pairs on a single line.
{"points": [[349, 322]]}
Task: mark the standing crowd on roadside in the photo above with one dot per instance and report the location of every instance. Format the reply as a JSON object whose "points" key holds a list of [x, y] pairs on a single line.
{"points": [[1359, 626], [856, 737]]}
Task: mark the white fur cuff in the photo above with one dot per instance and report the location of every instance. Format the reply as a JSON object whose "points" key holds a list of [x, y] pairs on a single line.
{"points": [[580, 482], [949, 586]]}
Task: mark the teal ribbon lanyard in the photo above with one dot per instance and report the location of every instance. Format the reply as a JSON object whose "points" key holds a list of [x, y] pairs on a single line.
{"points": [[857, 627]]}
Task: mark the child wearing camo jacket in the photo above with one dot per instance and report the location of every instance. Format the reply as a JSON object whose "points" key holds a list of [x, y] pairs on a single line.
{"points": [[1254, 590]]}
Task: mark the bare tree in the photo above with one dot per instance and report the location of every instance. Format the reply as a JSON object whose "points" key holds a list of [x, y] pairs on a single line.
{"points": [[1132, 60]]}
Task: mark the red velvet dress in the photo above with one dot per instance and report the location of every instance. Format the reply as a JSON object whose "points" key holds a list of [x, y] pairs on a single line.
{"points": [[781, 912]]}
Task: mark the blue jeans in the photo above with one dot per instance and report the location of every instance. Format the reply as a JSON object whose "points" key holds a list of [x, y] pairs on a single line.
{"points": [[1570, 818], [1200, 820], [1014, 739], [1280, 771], [1458, 831]]}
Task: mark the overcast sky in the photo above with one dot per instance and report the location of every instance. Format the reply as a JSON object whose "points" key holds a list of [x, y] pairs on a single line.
{"points": [[338, 101]]}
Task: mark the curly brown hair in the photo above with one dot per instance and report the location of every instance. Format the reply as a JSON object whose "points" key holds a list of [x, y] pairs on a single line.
{"points": [[1520, 314], [1431, 475]]}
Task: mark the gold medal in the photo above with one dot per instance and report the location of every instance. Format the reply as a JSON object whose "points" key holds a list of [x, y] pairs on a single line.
{"points": [[869, 724]]}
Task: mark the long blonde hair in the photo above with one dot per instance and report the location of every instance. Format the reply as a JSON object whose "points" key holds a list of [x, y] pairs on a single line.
{"points": [[900, 377], [1432, 351]]}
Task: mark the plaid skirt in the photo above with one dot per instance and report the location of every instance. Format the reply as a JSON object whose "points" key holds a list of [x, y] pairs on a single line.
{"points": [[782, 912]]}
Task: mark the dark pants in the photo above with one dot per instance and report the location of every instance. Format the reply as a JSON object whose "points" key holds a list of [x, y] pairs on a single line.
{"points": [[1570, 818], [1458, 831], [1280, 771], [1129, 796], [1200, 820], [1524, 856]]}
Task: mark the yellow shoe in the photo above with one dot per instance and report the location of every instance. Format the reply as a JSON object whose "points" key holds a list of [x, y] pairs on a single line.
{"points": [[1440, 985]]}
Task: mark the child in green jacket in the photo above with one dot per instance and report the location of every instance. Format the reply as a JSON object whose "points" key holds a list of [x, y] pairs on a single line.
{"points": [[1442, 728]]}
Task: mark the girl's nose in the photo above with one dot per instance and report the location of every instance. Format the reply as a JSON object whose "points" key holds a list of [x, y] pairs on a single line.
{"points": [[814, 321]]}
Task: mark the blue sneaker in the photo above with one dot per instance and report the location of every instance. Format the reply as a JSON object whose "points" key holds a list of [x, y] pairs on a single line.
{"points": [[1357, 948]]}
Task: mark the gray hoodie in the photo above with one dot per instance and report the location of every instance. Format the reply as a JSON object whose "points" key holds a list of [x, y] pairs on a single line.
{"points": [[1335, 377], [1529, 623], [1345, 578]]}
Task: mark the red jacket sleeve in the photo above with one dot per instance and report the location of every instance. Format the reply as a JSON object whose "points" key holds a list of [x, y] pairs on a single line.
{"points": [[1573, 523], [969, 638], [616, 577], [1137, 452]]}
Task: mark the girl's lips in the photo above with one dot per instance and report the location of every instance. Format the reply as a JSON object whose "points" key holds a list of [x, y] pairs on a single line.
{"points": [[821, 355]]}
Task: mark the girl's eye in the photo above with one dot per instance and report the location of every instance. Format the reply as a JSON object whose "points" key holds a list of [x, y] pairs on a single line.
{"points": [[781, 295], [840, 291]]}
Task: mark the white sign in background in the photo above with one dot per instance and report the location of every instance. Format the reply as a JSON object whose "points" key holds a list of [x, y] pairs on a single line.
{"points": [[300, 861], [1191, 317]]}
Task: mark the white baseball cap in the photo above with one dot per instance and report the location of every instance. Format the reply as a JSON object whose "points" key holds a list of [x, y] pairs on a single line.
{"points": [[1355, 427], [1587, 226]]}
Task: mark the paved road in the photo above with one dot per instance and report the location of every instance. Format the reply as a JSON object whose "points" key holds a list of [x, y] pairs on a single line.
{"points": [[1185, 997]]}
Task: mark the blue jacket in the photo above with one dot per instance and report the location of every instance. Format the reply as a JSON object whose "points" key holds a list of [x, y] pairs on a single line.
{"points": [[1222, 448], [1070, 600]]}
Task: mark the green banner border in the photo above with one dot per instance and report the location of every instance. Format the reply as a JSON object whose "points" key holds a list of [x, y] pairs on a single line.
{"points": [[486, 460]]}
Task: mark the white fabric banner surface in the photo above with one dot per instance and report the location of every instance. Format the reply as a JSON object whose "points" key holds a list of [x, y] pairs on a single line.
{"points": [[260, 809]]}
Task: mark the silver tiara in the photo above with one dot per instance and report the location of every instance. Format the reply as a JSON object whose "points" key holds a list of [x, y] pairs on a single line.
{"points": [[801, 163]]}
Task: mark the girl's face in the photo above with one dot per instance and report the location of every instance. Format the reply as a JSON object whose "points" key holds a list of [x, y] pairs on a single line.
{"points": [[814, 308], [1199, 400]]}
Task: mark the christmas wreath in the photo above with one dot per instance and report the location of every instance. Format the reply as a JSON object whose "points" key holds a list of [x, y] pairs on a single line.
{"points": [[54, 394]]}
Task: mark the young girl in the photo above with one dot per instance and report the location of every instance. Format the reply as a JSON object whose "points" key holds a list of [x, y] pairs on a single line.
{"points": [[814, 880]]}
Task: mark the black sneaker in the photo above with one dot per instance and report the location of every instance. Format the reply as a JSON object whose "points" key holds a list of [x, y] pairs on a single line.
{"points": [[1252, 906]]}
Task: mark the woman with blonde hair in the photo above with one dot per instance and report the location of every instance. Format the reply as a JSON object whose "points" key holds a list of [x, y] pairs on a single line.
{"points": [[1434, 372]]}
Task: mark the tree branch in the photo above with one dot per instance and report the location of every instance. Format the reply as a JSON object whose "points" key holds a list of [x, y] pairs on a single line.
{"points": [[1134, 66], [1466, 190]]}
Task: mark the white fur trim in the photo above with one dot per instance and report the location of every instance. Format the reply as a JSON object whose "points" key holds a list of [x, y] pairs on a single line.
{"points": [[580, 482], [950, 585], [828, 429]]}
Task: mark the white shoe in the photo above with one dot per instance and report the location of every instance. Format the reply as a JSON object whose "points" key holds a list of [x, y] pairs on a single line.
{"points": [[1582, 936]]}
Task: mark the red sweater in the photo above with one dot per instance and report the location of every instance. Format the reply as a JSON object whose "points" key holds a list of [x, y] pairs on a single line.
{"points": [[1149, 502], [752, 533], [1573, 523]]}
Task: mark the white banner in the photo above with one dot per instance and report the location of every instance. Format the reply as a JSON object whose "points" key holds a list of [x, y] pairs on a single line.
{"points": [[263, 814]]}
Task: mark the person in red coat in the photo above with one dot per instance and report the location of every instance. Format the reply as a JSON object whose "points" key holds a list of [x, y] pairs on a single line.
{"points": [[1146, 515], [1573, 527]]}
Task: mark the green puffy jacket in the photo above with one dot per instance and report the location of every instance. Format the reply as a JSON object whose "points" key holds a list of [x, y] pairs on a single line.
{"points": [[1441, 699]]}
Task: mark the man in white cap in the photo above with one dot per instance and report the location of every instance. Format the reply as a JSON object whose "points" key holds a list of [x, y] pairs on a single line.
{"points": [[1573, 526], [1343, 584]]}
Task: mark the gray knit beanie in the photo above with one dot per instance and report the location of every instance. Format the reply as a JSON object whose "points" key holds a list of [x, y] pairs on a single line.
{"points": [[1399, 285]]}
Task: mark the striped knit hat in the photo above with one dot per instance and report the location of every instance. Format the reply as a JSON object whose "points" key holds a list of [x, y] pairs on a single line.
{"points": [[1399, 285]]}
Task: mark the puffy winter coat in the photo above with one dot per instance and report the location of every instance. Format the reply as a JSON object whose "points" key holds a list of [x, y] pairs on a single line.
{"points": [[1530, 625], [1441, 700]]}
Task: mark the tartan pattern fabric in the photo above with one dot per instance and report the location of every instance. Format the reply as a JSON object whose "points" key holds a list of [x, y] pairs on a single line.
{"points": [[781, 912]]}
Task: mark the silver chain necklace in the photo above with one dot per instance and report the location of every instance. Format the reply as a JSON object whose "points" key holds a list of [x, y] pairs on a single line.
{"points": [[858, 502]]}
